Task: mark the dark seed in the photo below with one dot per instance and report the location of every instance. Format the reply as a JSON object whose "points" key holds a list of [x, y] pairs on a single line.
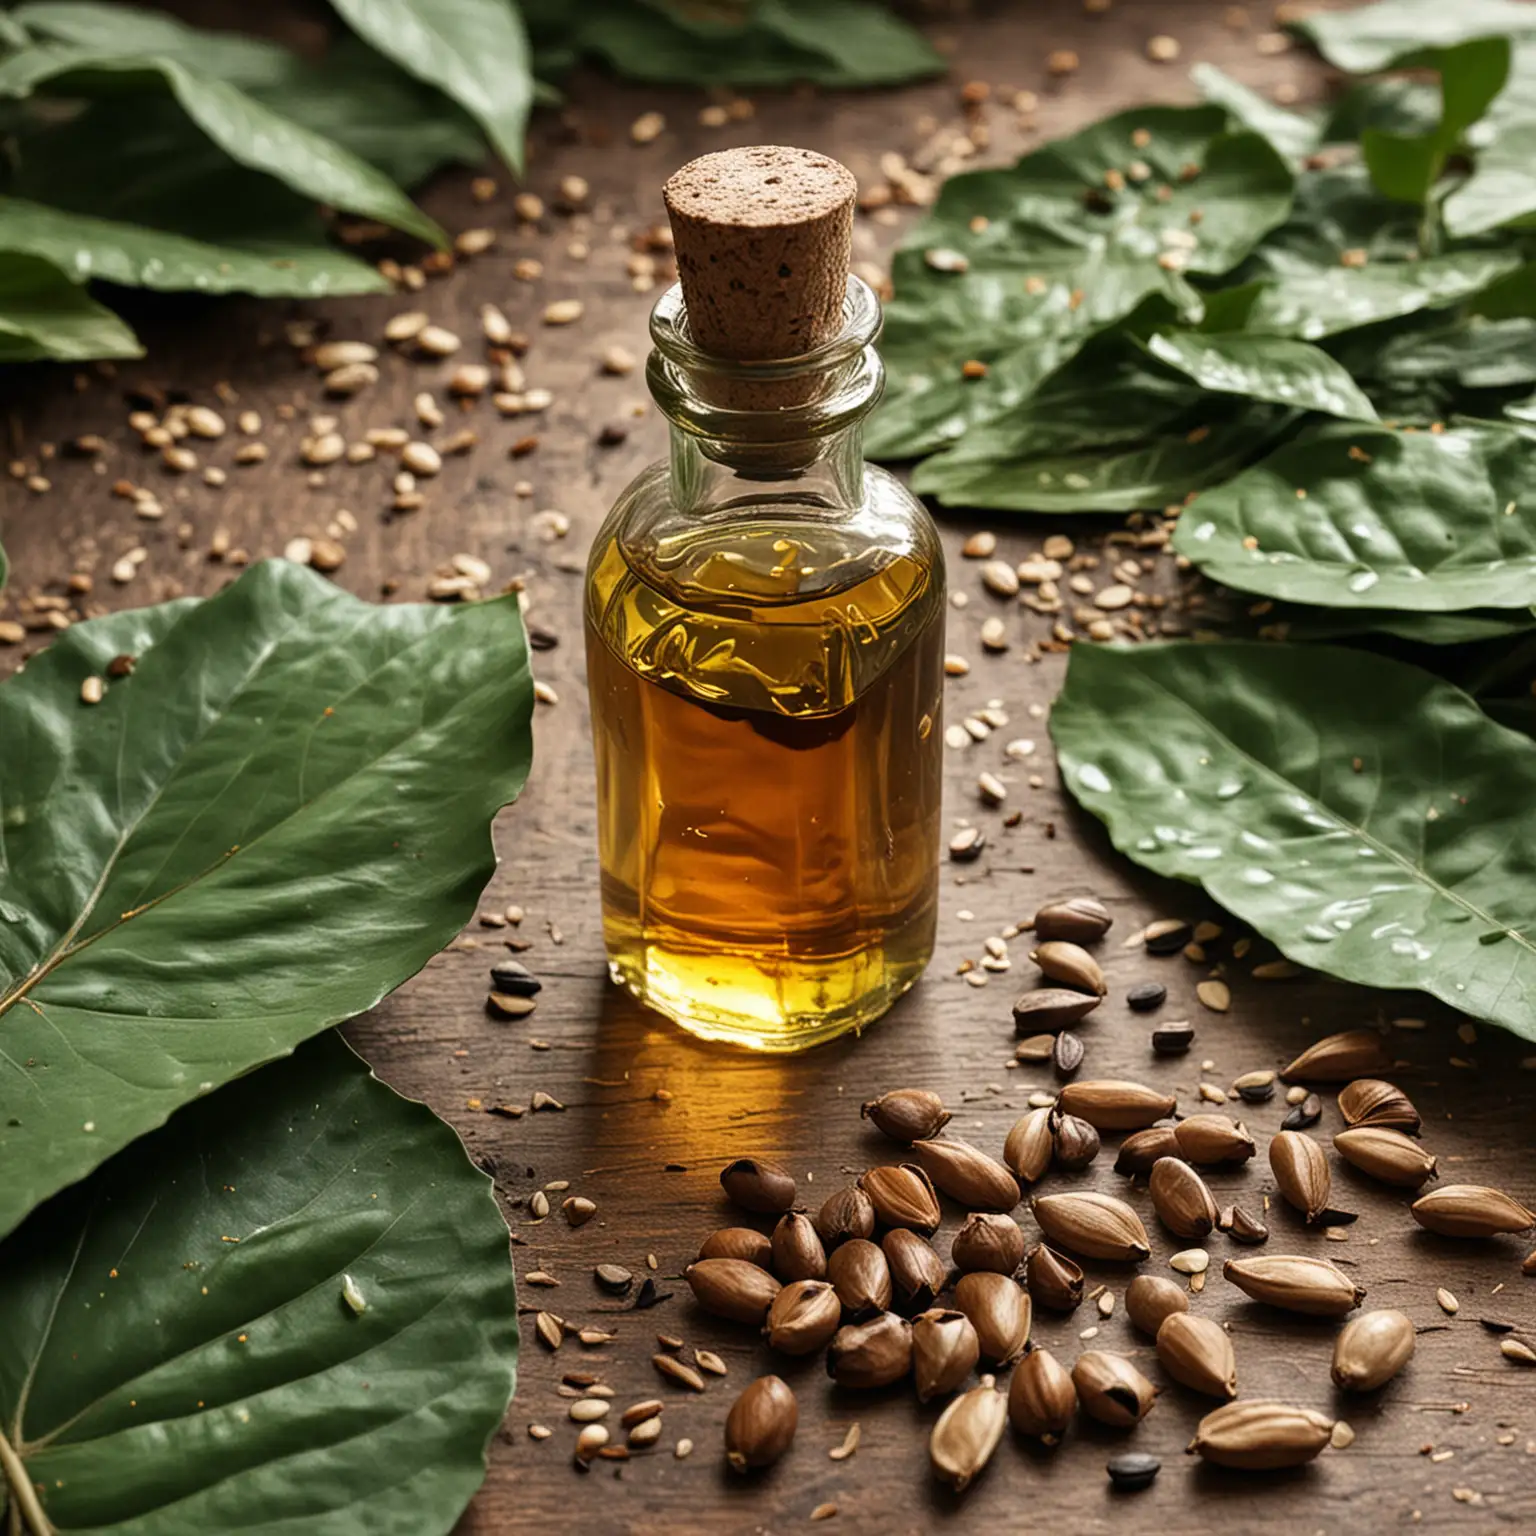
{"points": [[613, 1277], [1075, 1143], [1497, 1325], [541, 639], [513, 979], [1173, 1039], [1067, 1055], [1051, 1008], [967, 845], [1168, 936], [1131, 1471], [1257, 1093], [649, 1296], [1308, 1112], [1146, 995]]}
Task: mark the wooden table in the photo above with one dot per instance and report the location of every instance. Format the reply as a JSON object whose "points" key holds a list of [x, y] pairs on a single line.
{"points": [[649, 1115]]}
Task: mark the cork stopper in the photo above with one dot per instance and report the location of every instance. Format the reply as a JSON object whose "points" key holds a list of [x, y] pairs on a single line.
{"points": [[763, 237]]}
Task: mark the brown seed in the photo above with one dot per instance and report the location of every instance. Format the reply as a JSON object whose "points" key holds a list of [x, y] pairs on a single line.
{"points": [[1053, 1279], [1111, 1104], [549, 1329], [967, 1175], [1067, 1053], [1028, 1148], [1077, 919], [803, 1317], [1518, 1351], [1471, 1210], [861, 1277], [674, 1369], [641, 1413], [1071, 965], [1074, 1141], [907, 1114], [1111, 1389], [761, 1424], [1141, 1150], [902, 1196], [1241, 1227], [732, 1288], [1261, 1437], [966, 1435], [1197, 1353], [1386, 1155], [988, 1241], [1207, 1140], [1355, 1053], [945, 1350], [1151, 1299], [1041, 1397], [1371, 1349], [999, 1310], [1179, 1196], [872, 1354], [845, 1213], [1370, 1102], [1300, 1167], [1296, 1283], [1095, 1225], [1052, 1009], [917, 1272], [738, 1243], [797, 1250], [757, 1185]]}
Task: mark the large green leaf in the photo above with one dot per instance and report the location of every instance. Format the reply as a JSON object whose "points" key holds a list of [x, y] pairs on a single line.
{"points": [[1425, 629], [1471, 354], [1359, 813], [274, 821], [178, 1354], [248, 132], [1365, 517], [1372, 37], [1291, 134], [45, 315], [150, 258], [475, 51], [1272, 368], [1052, 254]]}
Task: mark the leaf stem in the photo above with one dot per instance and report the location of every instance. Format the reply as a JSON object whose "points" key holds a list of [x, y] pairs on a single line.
{"points": [[23, 1494]]}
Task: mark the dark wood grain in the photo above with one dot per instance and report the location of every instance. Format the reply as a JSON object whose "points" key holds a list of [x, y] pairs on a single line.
{"points": [[651, 1115]]}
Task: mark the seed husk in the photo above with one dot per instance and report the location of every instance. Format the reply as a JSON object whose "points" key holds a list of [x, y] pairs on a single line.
{"points": [[1471, 1210], [1077, 919], [1071, 965], [945, 1350], [755, 1184], [872, 1354], [1197, 1353], [1053, 1279], [803, 1317], [1207, 1140], [1368, 1101], [846, 1212], [907, 1114], [1308, 1111], [1296, 1283], [1166, 936], [1112, 1104], [738, 1243], [761, 1424], [1151, 1299], [675, 1369], [861, 1277], [1051, 1009], [1067, 1054], [1131, 1471], [967, 1175], [966, 1434], [999, 1310], [1213, 992], [797, 1250], [1387, 1155], [1173, 1038], [1300, 1167], [1371, 1349], [1076, 1143], [1337, 1059], [1035, 1048], [1111, 1389], [1140, 1151], [732, 1288], [1181, 1199], [1242, 1227], [988, 1240], [1029, 1146], [917, 1272], [902, 1195], [1261, 1437], [1095, 1225], [1041, 1397]]}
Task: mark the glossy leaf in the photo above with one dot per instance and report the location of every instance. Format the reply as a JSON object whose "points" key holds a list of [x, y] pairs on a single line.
{"points": [[1052, 254], [1471, 354], [1372, 518], [1291, 134], [179, 1355], [1273, 368], [475, 51], [44, 315], [1371, 37], [1429, 629], [1361, 814], [278, 817]]}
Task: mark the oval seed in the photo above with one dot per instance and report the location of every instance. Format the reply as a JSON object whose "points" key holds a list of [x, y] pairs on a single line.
{"points": [[761, 1424], [1371, 1349]]}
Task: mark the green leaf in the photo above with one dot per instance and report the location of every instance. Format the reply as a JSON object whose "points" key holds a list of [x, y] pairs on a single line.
{"points": [[137, 257], [859, 43], [1472, 354], [1367, 517], [1271, 368], [1053, 255], [1372, 37], [1437, 629], [44, 315], [1359, 813], [248, 132], [1292, 135], [1503, 188], [274, 821], [180, 1356], [475, 51]]}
